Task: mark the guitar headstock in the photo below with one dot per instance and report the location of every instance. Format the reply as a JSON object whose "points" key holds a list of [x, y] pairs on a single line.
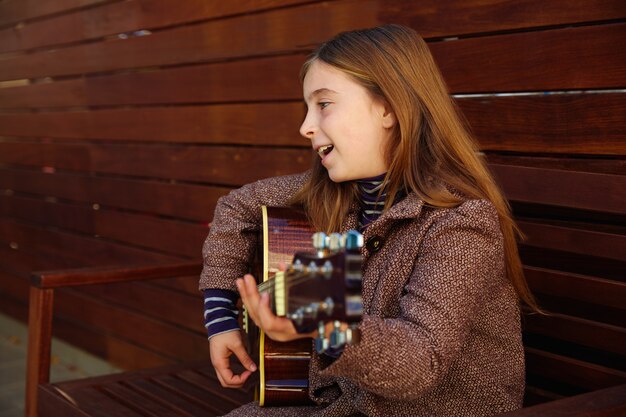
{"points": [[323, 286]]}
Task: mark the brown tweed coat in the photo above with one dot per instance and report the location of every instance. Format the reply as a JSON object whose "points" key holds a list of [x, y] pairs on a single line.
{"points": [[441, 330]]}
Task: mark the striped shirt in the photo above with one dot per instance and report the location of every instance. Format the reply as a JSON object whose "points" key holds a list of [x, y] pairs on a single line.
{"points": [[372, 199], [220, 311]]}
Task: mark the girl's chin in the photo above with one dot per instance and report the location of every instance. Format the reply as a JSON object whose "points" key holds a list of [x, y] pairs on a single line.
{"points": [[339, 177]]}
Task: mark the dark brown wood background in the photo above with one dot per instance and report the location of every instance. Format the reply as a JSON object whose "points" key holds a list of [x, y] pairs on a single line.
{"points": [[122, 122]]}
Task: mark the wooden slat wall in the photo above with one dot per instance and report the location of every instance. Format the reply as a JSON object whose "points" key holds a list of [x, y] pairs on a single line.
{"points": [[122, 122]]}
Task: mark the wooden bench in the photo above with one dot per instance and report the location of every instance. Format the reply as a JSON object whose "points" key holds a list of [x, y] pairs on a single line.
{"points": [[575, 354]]}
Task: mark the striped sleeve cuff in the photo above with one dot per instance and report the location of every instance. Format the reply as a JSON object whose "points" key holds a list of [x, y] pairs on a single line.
{"points": [[220, 311]]}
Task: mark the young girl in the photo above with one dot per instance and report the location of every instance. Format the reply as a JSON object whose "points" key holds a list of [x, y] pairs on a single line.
{"points": [[442, 279]]}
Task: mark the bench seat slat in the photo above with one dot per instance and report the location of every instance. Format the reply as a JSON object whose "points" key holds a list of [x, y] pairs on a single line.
{"points": [[572, 371]]}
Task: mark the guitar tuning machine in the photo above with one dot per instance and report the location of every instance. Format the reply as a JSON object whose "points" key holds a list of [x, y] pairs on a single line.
{"points": [[335, 242], [327, 306], [327, 269], [320, 243], [298, 266], [353, 240], [338, 338], [321, 342]]}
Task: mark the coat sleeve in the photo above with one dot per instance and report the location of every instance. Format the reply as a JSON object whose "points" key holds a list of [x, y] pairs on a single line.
{"points": [[232, 240], [459, 263]]}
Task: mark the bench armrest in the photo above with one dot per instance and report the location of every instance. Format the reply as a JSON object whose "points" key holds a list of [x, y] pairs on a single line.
{"points": [[107, 275], [608, 402], [41, 302]]}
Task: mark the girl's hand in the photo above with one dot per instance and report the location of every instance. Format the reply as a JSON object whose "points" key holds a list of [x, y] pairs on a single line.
{"points": [[222, 346], [276, 328]]}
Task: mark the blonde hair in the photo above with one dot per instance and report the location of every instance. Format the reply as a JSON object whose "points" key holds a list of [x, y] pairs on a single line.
{"points": [[430, 140]]}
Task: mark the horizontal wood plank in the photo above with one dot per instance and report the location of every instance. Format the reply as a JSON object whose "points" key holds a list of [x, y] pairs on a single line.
{"points": [[143, 230], [564, 123], [173, 307], [14, 11], [254, 79], [433, 20], [184, 388], [162, 338], [571, 371], [188, 201], [123, 17], [559, 58], [267, 124], [588, 333], [577, 287], [86, 251], [592, 165], [608, 402], [580, 190], [571, 58], [559, 123], [119, 352], [217, 165], [570, 238]]}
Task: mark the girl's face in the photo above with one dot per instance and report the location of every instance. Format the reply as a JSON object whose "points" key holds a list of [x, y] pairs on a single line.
{"points": [[347, 126]]}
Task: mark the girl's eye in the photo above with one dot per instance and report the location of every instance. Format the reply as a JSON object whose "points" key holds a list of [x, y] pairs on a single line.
{"points": [[323, 104]]}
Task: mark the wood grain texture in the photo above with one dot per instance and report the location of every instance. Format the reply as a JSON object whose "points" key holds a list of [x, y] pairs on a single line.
{"points": [[253, 79], [86, 251], [186, 201], [608, 402], [113, 18], [173, 389], [13, 11], [433, 18], [575, 63], [578, 287], [269, 124], [571, 58], [570, 371], [576, 238], [563, 123], [586, 124], [134, 229], [217, 165], [581, 190]]}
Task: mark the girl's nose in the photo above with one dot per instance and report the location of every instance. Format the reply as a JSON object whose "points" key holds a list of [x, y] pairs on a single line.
{"points": [[307, 128]]}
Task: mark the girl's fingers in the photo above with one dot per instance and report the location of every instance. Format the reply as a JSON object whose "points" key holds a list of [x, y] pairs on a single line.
{"points": [[249, 295], [264, 312]]}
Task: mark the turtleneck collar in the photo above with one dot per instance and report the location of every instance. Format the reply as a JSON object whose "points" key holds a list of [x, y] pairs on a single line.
{"points": [[372, 200]]}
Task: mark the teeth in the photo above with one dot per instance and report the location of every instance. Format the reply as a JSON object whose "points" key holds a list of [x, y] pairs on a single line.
{"points": [[322, 150]]}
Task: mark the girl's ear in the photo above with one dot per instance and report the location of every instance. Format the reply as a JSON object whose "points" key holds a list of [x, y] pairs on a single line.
{"points": [[389, 117]]}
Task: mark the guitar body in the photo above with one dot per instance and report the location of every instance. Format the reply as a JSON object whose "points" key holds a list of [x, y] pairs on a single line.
{"points": [[283, 366], [319, 285]]}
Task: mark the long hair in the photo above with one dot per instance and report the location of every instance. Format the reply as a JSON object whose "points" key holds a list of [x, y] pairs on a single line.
{"points": [[430, 150]]}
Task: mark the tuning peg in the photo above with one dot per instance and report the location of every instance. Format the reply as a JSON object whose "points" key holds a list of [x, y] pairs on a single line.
{"points": [[297, 266], [327, 306], [327, 269], [353, 240], [321, 343], [337, 337], [320, 241], [335, 242], [297, 316]]}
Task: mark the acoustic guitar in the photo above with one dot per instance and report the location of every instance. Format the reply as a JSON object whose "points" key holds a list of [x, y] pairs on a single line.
{"points": [[321, 284]]}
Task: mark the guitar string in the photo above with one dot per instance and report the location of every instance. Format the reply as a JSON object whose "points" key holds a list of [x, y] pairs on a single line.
{"points": [[271, 284]]}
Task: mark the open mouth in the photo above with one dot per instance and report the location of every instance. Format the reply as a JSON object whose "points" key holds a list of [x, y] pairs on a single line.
{"points": [[324, 150]]}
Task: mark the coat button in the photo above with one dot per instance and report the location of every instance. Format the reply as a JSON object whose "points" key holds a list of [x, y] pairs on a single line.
{"points": [[374, 244]]}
